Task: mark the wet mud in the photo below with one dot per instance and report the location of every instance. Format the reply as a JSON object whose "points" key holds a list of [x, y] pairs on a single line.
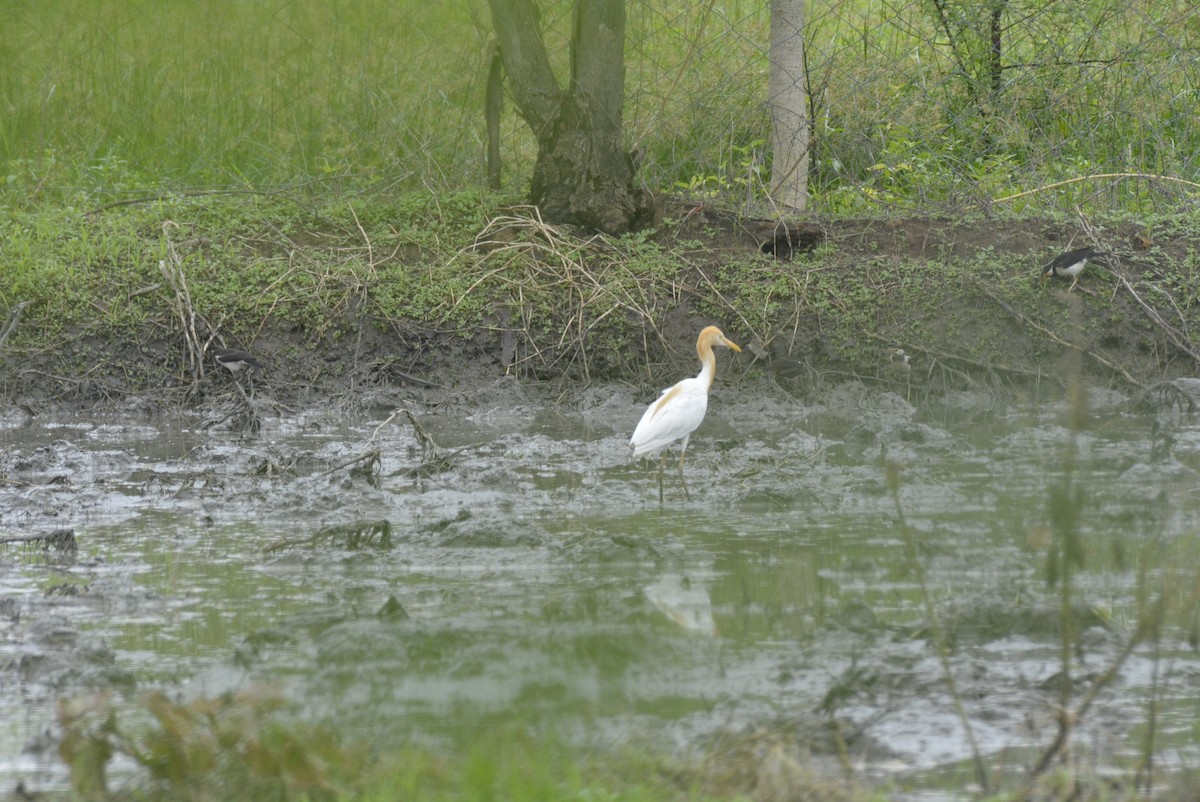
{"points": [[430, 564]]}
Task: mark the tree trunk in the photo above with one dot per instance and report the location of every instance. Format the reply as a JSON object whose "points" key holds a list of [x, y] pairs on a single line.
{"points": [[995, 56], [788, 102], [582, 174], [493, 107]]}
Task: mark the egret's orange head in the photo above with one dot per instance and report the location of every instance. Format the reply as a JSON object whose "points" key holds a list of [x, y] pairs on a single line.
{"points": [[712, 336]]}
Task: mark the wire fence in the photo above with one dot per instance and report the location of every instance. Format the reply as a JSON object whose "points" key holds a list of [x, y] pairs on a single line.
{"points": [[916, 106], [930, 105]]}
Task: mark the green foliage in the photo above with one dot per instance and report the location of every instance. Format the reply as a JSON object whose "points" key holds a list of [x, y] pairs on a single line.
{"points": [[126, 94], [916, 86], [232, 747], [742, 174], [246, 746], [110, 104]]}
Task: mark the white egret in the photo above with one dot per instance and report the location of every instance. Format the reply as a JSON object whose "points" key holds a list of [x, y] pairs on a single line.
{"points": [[680, 409]]}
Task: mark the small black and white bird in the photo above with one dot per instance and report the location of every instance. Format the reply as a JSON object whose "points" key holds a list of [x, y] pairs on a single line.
{"points": [[788, 367], [898, 361], [235, 359], [1070, 264]]}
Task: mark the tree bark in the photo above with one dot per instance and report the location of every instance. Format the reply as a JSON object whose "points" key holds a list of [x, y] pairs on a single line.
{"points": [[493, 107], [582, 174], [996, 53], [788, 102]]}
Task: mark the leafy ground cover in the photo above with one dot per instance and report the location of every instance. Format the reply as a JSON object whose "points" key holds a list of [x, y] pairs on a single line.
{"points": [[356, 288]]}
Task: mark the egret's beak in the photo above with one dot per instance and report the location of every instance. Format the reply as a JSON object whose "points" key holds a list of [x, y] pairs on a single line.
{"points": [[733, 345]]}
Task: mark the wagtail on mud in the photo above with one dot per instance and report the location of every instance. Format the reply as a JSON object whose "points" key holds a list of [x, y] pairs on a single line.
{"points": [[235, 359], [1070, 264]]}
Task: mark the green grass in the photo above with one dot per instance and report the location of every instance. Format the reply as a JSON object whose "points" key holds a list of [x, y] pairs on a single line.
{"points": [[251, 263], [311, 270], [121, 94], [105, 100], [248, 746]]}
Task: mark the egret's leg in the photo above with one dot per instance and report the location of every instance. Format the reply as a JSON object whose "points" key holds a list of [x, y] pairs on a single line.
{"points": [[1074, 282], [686, 494], [682, 451], [662, 466]]}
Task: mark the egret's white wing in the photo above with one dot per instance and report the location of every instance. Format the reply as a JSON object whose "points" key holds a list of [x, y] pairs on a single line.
{"points": [[677, 412]]}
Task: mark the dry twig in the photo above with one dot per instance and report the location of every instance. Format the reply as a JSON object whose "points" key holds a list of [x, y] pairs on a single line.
{"points": [[182, 306], [59, 539], [1176, 338], [14, 316], [368, 460]]}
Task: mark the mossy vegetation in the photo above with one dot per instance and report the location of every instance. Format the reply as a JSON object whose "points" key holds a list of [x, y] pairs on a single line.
{"points": [[249, 747]]}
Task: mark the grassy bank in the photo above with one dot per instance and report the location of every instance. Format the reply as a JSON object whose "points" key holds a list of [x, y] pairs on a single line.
{"points": [[426, 283], [118, 96]]}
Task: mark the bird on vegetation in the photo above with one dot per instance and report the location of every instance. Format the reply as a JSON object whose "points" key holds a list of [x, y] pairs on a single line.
{"points": [[898, 361], [1070, 264], [680, 409], [787, 367], [235, 359]]}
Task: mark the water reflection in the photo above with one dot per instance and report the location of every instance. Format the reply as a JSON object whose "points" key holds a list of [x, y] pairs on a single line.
{"points": [[685, 602]]}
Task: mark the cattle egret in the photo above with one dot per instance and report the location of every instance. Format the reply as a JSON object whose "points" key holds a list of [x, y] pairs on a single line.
{"points": [[680, 409]]}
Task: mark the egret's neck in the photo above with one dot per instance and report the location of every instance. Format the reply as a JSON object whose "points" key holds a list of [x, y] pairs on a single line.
{"points": [[709, 360]]}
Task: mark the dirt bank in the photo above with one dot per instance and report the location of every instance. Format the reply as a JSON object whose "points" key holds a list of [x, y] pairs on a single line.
{"points": [[509, 295]]}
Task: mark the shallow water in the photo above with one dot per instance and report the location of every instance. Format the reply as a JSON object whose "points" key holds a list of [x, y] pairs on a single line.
{"points": [[541, 581]]}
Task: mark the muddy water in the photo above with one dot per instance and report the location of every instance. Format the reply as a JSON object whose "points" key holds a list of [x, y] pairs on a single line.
{"points": [[527, 573]]}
